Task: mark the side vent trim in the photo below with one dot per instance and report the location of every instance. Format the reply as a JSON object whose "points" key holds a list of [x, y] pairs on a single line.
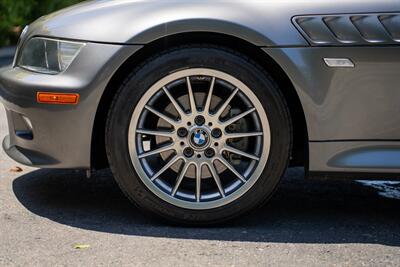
{"points": [[350, 29]]}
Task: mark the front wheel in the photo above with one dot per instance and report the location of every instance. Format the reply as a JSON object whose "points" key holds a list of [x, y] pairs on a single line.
{"points": [[198, 135]]}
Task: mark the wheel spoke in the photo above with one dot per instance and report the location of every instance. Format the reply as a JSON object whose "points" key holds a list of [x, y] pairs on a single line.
{"points": [[155, 132], [240, 152], [180, 178], [166, 166], [162, 116], [238, 117], [226, 103], [193, 108], [156, 151], [231, 168], [209, 96], [216, 178], [241, 135], [174, 103], [198, 182]]}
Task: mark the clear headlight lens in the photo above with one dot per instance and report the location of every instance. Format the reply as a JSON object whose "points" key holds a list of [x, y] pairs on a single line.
{"points": [[48, 55]]}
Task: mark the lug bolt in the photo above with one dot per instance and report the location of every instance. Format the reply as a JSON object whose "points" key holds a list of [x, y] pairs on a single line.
{"points": [[209, 153], [199, 120], [216, 133], [182, 132], [188, 152]]}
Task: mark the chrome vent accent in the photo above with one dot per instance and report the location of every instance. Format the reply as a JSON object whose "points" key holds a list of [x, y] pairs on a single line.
{"points": [[350, 29]]}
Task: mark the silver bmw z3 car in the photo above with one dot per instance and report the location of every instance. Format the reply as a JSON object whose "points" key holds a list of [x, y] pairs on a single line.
{"points": [[198, 107]]}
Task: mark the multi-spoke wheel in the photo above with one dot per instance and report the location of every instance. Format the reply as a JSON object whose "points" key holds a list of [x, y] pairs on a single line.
{"points": [[193, 142], [199, 138]]}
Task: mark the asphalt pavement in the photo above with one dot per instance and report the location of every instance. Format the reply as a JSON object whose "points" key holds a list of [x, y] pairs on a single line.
{"points": [[59, 217]]}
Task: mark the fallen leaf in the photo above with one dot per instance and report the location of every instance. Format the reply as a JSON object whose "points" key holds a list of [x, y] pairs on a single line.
{"points": [[16, 169], [81, 246]]}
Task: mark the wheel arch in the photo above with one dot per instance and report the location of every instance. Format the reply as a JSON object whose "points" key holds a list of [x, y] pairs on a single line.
{"points": [[299, 155], [182, 27]]}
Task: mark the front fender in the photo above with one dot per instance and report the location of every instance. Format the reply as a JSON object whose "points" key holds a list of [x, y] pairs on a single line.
{"points": [[140, 22]]}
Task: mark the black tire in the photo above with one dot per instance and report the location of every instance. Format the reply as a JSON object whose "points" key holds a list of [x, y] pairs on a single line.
{"points": [[196, 56]]}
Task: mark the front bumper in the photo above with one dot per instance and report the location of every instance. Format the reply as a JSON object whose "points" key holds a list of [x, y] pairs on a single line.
{"points": [[58, 136]]}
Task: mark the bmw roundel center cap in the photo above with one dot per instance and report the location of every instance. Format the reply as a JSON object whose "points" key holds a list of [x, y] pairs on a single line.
{"points": [[199, 138]]}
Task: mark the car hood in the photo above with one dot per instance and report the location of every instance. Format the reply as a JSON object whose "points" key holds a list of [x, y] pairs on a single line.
{"points": [[266, 23]]}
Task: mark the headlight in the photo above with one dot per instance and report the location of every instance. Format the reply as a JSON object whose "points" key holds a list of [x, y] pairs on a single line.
{"points": [[48, 55]]}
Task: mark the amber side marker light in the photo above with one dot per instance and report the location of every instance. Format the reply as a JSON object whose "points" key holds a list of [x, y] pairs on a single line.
{"points": [[57, 98]]}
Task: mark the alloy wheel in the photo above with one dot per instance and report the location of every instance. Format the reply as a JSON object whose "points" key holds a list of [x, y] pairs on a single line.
{"points": [[199, 138]]}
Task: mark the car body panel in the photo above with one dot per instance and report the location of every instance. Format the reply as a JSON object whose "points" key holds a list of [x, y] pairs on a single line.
{"points": [[381, 157], [351, 113], [341, 103], [263, 23], [62, 133], [140, 22]]}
